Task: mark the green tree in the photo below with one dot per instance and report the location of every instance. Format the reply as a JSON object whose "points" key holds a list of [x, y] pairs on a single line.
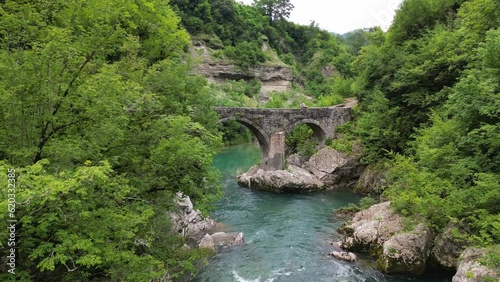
{"points": [[92, 94], [275, 9]]}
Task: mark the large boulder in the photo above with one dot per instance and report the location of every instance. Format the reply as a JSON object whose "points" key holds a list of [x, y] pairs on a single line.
{"points": [[369, 229], [334, 168], [228, 239], [470, 268], [296, 160], [294, 179], [379, 231], [448, 246], [406, 252], [370, 182]]}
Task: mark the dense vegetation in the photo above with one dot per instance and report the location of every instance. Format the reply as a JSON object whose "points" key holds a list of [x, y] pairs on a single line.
{"points": [[103, 125], [430, 107], [103, 122]]}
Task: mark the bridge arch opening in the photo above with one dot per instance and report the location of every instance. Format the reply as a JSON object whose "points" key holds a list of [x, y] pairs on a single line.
{"points": [[262, 138], [319, 132]]}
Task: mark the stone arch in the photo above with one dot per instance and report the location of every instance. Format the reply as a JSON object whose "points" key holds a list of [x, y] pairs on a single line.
{"points": [[261, 136], [316, 127]]}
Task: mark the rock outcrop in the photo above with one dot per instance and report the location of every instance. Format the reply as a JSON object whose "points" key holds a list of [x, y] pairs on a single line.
{"points": [[334, 168], [189, 221], [207, 242], [447, 247], [325, 169], [379, 231], [294, 179], [221, 239], [273, 77], [406, 252], [370, 182], [470, 268], [296, 160], [369, 229]]}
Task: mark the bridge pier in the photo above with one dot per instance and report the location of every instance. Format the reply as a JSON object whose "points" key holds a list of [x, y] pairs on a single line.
{"points": [[276, 155]]}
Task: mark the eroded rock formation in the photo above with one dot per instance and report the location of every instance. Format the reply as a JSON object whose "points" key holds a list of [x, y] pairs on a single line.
{"points": [[325, 169], [273, 77], [447, 247], [188, 221], [380, 232]]}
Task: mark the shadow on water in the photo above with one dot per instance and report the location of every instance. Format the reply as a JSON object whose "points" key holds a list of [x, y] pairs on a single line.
{"points": [[287, 236]]}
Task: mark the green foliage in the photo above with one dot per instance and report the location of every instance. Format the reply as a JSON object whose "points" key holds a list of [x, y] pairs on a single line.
{"points": [[345, 138], [417, 16], [234, 133], [245, 54], [376, 128], [301, 140], [104, 124], [329, 100], [492, 258], [276, 101], [62, 217], [367, 202], [275, 9], [357, 39], [429, 92]]}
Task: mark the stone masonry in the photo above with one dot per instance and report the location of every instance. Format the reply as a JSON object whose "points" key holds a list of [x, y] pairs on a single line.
{"points": [[270, 127]]}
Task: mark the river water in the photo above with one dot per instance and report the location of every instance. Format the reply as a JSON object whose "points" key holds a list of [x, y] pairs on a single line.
{"points": [[286, 236]]}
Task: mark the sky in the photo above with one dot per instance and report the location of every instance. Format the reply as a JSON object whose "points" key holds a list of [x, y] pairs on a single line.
{"points": [[341, 16]]}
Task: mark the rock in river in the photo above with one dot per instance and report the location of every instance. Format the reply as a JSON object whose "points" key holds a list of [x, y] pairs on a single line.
{"points": [[294, 179], [379, 231]]}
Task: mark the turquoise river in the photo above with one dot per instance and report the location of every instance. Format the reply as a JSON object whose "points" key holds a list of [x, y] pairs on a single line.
{"points": [[287, 236]]}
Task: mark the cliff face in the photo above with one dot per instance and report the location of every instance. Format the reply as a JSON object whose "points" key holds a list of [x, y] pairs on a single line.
{"points": [[273, 77]]}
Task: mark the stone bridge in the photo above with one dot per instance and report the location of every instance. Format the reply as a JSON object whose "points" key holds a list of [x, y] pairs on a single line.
{"points": [[270, 127]]}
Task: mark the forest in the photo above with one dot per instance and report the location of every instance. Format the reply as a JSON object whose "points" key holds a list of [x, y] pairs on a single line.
{"points": [[103, 121]]}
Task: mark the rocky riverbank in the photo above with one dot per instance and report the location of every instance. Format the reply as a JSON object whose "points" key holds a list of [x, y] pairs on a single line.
{"points": [[410, 248], [188, 222], [399, 246]]}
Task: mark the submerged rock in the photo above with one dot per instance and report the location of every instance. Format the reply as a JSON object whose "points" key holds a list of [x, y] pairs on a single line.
{"points": [[346, 256], [294, 179]]}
